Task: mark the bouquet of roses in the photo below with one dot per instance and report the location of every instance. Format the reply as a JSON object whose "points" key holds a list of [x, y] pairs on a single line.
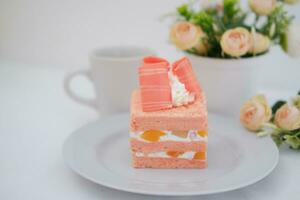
{"points": [[223, 29], [282, 121]]}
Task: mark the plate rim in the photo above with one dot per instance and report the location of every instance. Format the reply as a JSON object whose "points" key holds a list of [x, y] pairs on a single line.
{"points": [[154, 193]]}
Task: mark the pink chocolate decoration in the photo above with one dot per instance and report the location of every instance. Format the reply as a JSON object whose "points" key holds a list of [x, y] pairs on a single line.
{"points": [[184, 71], [154, 84]]}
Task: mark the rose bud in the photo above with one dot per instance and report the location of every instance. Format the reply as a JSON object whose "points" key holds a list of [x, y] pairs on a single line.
{"points": [[262, 7], [211, 4], [185, 35], [296, 101], [292, 41], [287, 117], [255, 112], [236, 42], [261, 43]]}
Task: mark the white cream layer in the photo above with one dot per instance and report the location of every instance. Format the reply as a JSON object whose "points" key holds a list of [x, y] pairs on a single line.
{"points": [[162, 154], [191, 136], [180, 95]]}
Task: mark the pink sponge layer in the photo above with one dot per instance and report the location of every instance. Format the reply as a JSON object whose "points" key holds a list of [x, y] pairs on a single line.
{"points": [[168, 163], [190, 117], [146, 147]]}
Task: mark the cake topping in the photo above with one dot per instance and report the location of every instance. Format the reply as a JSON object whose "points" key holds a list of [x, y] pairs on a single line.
{"points": [[152, 61], [183, 70], [154, 84], [164, 86]]}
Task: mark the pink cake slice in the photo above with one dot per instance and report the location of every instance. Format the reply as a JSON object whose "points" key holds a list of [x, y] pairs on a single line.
{"points": [[172, 138]]}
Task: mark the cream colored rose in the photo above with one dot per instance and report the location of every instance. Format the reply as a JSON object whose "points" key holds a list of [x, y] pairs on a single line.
{"points": [[255, 112], [262, 7], [287, 117], [185, 35], [261, 43], [236, 42]]}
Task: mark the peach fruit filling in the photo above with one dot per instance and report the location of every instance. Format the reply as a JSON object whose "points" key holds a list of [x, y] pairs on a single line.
{"points": [[202, 133], [200, 156], [174, 154], [152, 135]]}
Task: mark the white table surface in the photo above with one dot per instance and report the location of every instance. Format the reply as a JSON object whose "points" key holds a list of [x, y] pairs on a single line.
{"points": [[36, 117]]}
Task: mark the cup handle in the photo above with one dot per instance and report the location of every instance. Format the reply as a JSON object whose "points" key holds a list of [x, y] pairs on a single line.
{"points": [[67, 86]]}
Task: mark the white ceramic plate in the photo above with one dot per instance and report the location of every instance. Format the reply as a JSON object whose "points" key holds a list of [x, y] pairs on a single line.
{"points": [[100, 152]]}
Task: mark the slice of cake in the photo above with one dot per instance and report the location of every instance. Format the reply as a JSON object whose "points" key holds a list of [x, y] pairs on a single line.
{"points": [[168, 117]]}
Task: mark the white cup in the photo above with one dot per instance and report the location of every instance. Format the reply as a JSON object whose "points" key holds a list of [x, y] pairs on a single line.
{"points": [[113, 73]]}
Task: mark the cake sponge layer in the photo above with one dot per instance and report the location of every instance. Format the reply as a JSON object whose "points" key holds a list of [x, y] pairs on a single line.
{"points": [[189, 117], [146, 147], [167, 163]]}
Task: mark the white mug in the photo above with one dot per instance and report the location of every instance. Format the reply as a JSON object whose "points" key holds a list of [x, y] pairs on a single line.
{"points": [[113, 73]]}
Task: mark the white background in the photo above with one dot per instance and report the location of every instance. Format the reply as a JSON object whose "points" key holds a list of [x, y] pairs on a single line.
{"points": [[42, 39]]}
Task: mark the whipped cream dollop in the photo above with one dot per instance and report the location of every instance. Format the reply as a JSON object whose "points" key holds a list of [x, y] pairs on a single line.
{"points": [[180, 96]]}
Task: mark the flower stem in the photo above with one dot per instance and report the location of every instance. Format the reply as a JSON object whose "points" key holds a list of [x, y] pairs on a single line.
{"points": [[272, 126]]}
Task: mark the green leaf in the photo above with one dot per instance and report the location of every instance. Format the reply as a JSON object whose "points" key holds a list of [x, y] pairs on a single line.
{"points": [[231, 8], [293, 141], [207, 21], [299, 92], [204, 20], [295, 132], [233, 15], [277, 139], [283, 41], [184, 11], [277, 23], [277, 105]]}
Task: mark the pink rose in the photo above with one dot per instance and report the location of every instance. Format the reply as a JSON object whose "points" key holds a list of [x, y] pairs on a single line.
{"points": [[212, 4], [186, 35], [262, 7], [255, 112], [261, 43], [287, 117], [236, 42]]}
